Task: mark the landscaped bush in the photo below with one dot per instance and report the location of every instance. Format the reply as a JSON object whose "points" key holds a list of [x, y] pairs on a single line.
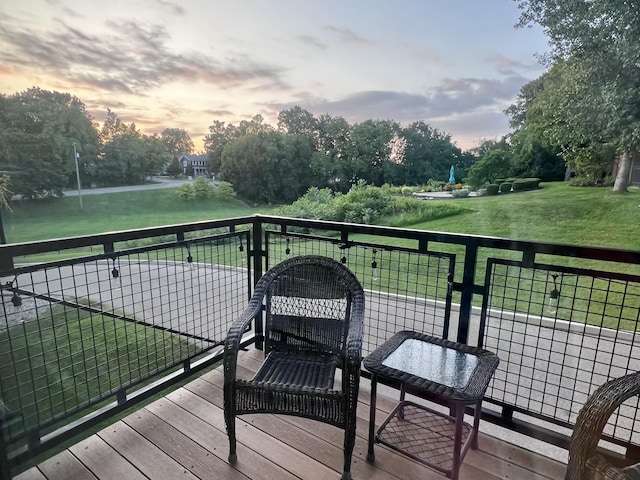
{"points": [[185, 192], [200, 189], [526, 184], [505, 187], [435, 185], [493, 189], [225, 192], [316, 204], [499, 181], [362, 204], [203, 188]]}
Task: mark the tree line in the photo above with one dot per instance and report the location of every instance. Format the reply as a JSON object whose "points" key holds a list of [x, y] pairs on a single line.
{"points": [[575, 120], [41, 131]]}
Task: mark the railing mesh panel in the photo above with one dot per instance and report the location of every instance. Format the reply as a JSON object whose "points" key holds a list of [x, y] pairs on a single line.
{"points": [[407, 289], [556, 351], [74, 333]]}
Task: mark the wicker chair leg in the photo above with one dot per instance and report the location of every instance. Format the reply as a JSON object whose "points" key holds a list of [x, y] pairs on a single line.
{"points": [[231, 432], [349, 443]]}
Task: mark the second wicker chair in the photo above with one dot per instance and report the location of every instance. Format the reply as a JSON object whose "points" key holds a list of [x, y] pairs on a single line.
{"points": [[313, 323]]}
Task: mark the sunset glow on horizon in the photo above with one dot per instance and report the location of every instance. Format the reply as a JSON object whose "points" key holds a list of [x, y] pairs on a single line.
{"points": [[455, 65]]}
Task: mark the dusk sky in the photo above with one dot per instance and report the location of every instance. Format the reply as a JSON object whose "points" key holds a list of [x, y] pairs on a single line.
{"points": [[454, 64]]}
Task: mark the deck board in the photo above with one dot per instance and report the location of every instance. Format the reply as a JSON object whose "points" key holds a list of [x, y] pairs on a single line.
{"points": [[183, 436]]}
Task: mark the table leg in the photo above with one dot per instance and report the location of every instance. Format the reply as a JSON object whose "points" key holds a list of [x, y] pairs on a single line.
{"points": [[476, 424], [457, 443], [372, 419]]}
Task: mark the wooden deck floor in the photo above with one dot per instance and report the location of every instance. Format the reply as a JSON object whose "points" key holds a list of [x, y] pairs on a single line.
{"points": [[182, 436]]}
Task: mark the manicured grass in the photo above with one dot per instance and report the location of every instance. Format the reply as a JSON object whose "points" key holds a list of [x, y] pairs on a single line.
{"points": [[63, 217], [556, 213], [67, 359]]}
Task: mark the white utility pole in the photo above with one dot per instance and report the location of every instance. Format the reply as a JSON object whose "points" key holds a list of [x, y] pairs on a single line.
{"points": [[75, 157]]}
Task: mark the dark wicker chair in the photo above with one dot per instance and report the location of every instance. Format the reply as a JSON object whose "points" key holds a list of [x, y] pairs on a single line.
{"points": [[313, 322], [584, 462]]}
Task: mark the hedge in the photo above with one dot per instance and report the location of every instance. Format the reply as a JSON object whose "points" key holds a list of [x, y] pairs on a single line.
{"points": [[526, 184], [492, 189], [505, 187]]}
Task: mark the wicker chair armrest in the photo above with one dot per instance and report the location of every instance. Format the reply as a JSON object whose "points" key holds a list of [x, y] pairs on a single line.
{"points": [[239, 326], [592, 419], [353, 347]]}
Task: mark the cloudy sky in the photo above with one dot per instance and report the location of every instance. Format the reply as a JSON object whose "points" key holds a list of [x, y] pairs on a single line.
{"points": [[455, 64]]}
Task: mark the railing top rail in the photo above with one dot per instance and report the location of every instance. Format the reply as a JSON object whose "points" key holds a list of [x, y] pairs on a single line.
{"points": [[42, 246], [345, 229], [595, 253]]}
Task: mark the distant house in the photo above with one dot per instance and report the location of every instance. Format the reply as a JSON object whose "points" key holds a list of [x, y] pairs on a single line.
{"points": [[195, 165]]}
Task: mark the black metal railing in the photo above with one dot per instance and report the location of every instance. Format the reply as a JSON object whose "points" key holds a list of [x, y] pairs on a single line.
{"points": [[90, 321]]}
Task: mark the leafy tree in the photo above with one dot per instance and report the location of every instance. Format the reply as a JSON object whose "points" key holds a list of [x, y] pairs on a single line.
{"points": [[37, 131], [267, 166], [332, 148], [596, 42], [370, 151], [494, 162], [174, 168], [177, 141], [128, 157], [220, 135], [429, 154], [549, 115], [298, 121]]}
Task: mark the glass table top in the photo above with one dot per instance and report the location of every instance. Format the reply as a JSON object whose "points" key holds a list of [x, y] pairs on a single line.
{"points": [[435, 363]]}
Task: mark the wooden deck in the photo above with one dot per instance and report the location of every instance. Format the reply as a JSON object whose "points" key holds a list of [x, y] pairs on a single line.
{"points": [[182, 436]]}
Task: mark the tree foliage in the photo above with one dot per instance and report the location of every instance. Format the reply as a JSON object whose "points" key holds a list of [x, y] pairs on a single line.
{"points": [[595, 50], [267, 166], [177, 141], [330, 152], [38, 129], [127, 156]]}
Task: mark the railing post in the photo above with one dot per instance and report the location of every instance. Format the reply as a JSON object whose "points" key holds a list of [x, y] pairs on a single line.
{"points": [[5, 468], [468, 278], [257, 254]]}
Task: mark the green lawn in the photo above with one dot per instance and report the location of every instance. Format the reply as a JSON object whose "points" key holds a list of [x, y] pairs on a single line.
{"points": [[63, 217], [556, 213], [69, 358]]}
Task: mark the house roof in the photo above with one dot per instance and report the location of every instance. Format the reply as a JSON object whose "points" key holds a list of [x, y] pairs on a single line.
{"points": [[193, 158]]}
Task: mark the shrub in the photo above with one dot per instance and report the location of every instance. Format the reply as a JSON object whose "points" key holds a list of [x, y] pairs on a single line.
{"points": [[225, 192], [203, 188], [362, 204], [435, 185], [499, 181], [316, 204], [505, 187], [200, 189], [525, 184], [186, 192], [492, 189]]}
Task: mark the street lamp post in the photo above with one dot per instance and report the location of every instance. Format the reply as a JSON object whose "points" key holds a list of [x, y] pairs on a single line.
{"points": [[75, 158]]}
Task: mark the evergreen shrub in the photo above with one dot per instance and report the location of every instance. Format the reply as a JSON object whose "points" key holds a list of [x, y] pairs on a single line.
{"points": [[505, 187], [492, 189]]}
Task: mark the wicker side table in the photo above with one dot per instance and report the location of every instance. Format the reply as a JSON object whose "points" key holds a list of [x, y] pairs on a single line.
{"points": [[432, 368]]}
